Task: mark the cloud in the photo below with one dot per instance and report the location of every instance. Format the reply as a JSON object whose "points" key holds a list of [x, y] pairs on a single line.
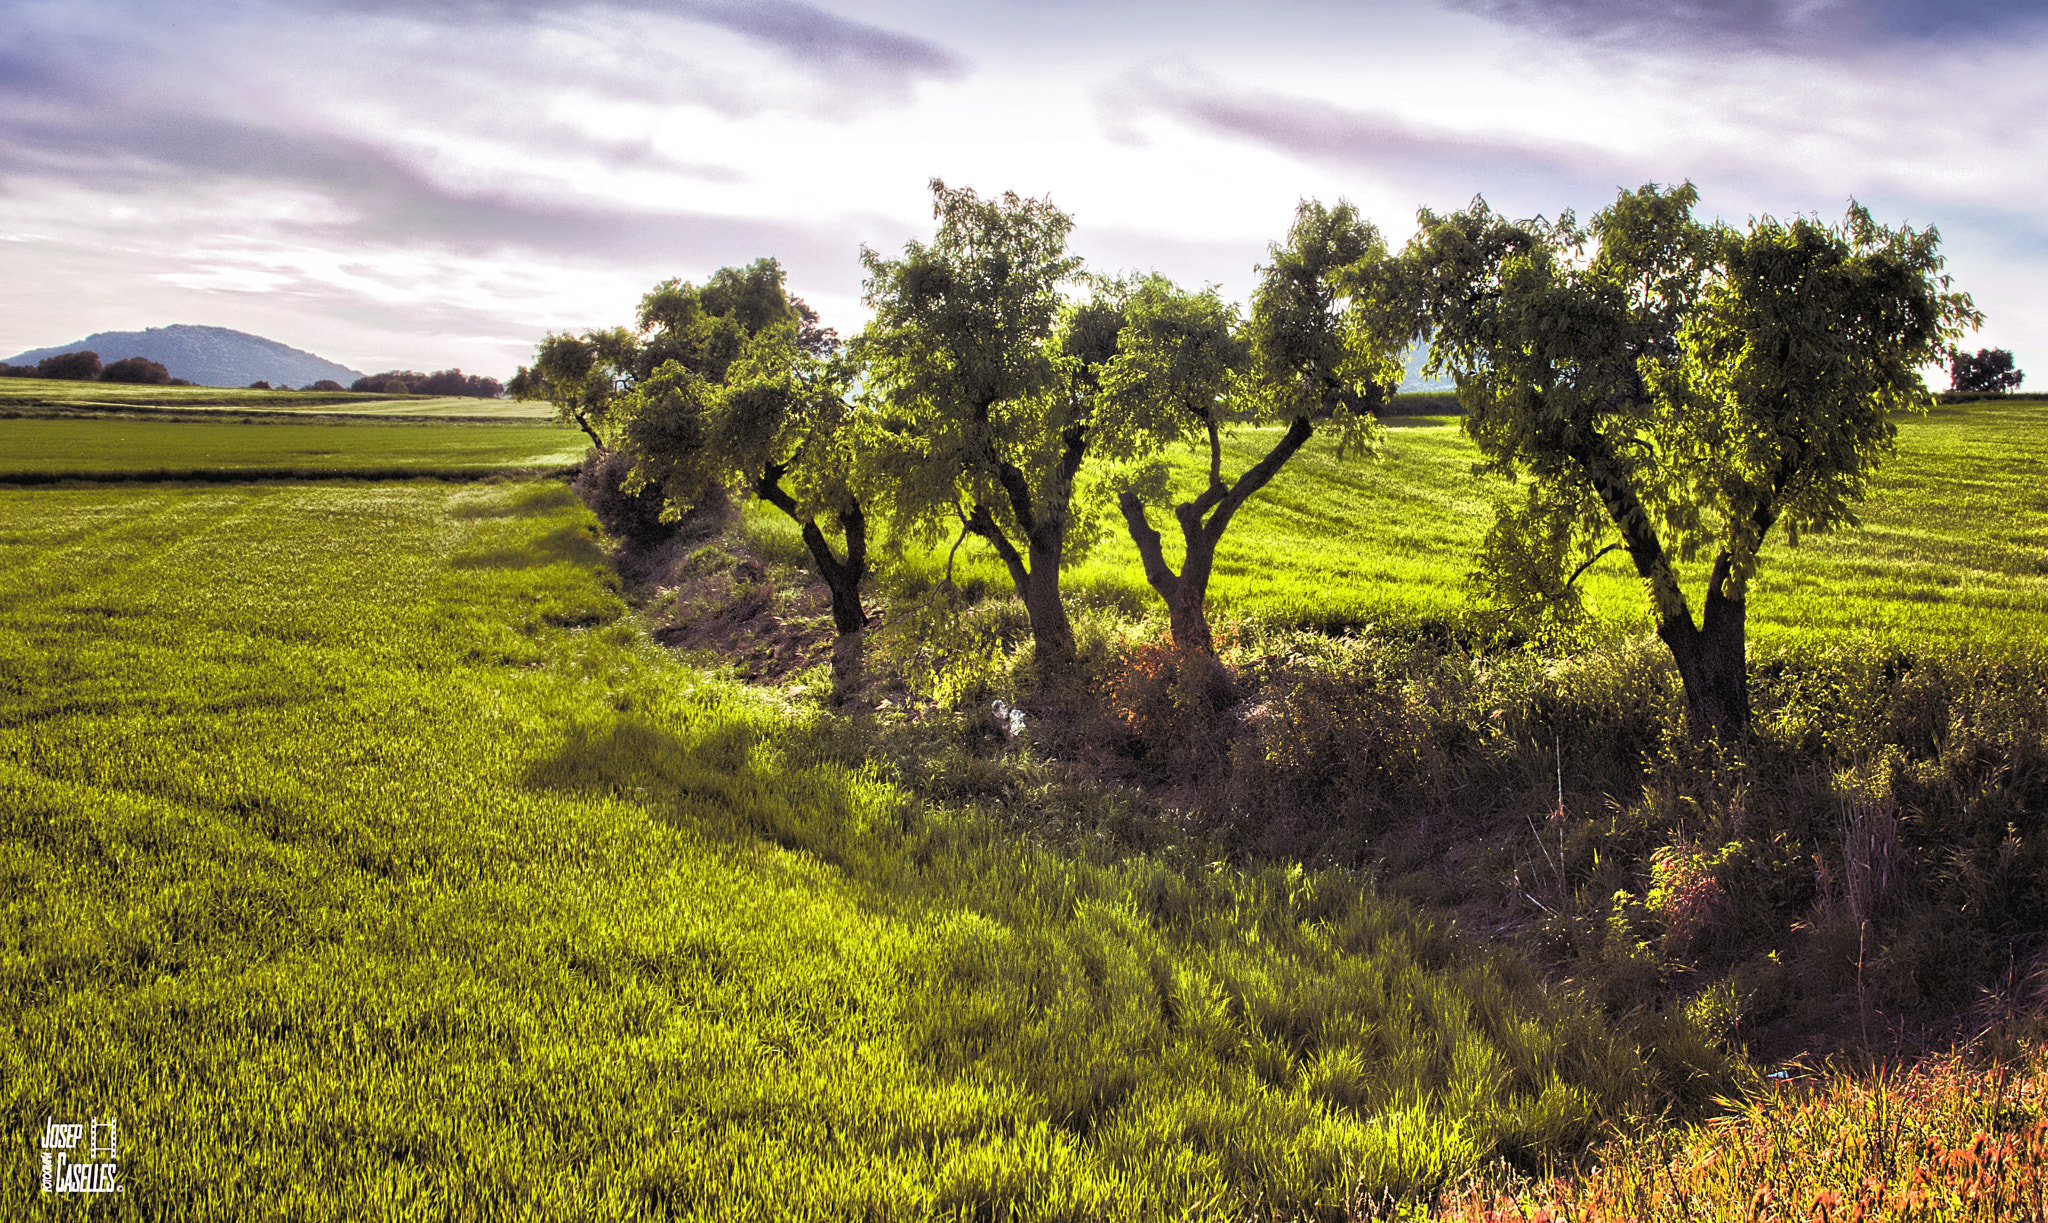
{"points": [[1798, 27], [803, 33], [1386, 145]]}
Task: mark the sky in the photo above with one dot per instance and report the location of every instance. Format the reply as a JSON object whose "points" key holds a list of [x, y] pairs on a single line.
{"points": [[436, 183]]}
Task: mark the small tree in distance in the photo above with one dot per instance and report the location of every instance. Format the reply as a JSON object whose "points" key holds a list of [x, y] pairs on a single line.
{"points": [[136, 369], [70, 366], [1989, 370]]}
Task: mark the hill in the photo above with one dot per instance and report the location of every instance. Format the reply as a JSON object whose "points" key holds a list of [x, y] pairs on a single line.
{"points": [[209, 356]]}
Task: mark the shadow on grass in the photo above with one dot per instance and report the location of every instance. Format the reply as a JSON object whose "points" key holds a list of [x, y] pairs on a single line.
{"points": [[573, 545], [724, 779]]}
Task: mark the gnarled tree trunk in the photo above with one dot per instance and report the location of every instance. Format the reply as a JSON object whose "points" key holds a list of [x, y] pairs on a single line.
{"points": [[1202, 524], [842, 577]]}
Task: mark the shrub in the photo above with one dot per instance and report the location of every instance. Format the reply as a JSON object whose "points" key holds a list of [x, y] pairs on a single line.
{"points": [[631, 518], [71, 366], [16, 371], [259, 385], [325, 384], [136, 369]]}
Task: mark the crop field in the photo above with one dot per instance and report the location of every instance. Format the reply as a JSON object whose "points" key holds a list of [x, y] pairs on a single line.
{"points": [[31, 395], [365, 862], [43, 450], [1953, 545]]}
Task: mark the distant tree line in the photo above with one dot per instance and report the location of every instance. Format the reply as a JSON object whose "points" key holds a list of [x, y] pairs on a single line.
{"points": [[450, 382], [86, 367]]}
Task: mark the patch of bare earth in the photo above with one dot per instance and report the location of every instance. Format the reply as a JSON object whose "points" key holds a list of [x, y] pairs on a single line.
{"points": [[709, 590]]}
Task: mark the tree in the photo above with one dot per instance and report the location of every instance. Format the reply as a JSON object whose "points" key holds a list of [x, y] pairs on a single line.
{"points": [[1676, 388], [749, 394], [136, 369], [1990, 370], [70, 366], [1329, 322], [325, 384], [988, 382]]}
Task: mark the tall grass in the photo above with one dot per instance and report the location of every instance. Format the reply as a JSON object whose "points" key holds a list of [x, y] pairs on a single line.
{"points": [[366, 863]]}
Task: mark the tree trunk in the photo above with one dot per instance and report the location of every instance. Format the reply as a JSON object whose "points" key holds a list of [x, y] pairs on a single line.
{"points": [[1713, 660], [1052, 634], [1187, 593], [841, 578]]}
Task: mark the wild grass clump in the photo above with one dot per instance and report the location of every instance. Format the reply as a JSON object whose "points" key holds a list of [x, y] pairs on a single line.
{"points": [[1868, 858], [1943, 1139]]}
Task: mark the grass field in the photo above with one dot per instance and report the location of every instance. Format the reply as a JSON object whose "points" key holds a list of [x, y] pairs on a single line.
{"points": [[1953, 546], [366, 864], [41, 450], [31, 394]]}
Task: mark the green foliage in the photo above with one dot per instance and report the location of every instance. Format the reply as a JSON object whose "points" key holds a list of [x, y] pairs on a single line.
{"points": [[1682, 386], [961, 357], [1330, 322]]}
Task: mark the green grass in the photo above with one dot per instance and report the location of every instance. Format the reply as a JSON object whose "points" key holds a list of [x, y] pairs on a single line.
{"points": [[36, 450], [31, 394], [1953, 544], [366, 864]]}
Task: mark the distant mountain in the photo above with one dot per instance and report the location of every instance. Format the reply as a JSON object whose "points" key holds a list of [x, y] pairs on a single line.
{"points": [[209, 356]]}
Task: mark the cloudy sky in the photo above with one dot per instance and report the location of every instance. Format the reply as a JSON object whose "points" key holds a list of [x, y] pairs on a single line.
{"points": [[440, 182]]}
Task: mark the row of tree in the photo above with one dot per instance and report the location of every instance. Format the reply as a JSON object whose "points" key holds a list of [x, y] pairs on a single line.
{"points": [[1662, 386], [86, 367], [450, 382]]}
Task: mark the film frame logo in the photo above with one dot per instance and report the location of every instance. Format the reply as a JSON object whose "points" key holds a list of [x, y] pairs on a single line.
{"points": [[98, 1172]]}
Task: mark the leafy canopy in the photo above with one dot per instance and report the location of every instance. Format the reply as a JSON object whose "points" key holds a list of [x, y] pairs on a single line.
{"points": [[964, 364], [1685, 385]]}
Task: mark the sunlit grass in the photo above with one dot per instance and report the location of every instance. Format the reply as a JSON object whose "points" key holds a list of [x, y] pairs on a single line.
{"points": [[34, 450], [364, 862]]}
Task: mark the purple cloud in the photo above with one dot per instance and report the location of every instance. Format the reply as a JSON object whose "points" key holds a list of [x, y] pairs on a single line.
{"points": [[1791, 26]]}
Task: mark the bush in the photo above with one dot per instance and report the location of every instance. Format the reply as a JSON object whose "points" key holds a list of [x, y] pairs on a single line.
{"points": [[16, 371], [136, 369], [632, 519], [325, 384], [70, 366], [259, 385]]}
